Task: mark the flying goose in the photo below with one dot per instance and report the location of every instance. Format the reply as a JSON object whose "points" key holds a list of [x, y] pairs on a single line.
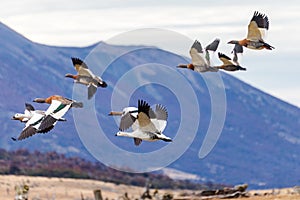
{"points": [[86, 77], [28, 113], [228, 65], [128, 118], [58, 107], [150, 124], [62, 99], [199, 62], [257, 29], [31, 127], [43, 122]]}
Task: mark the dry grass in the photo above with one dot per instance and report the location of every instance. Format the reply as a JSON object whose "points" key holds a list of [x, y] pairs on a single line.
{"points": [[64, 188], [71, 189]]}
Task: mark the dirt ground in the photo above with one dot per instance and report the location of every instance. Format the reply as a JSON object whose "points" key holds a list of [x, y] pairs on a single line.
{"points": [[42, 188]]}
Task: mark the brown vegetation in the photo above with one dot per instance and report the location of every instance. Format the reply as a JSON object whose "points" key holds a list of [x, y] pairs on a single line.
{"points": [[52, 164]]}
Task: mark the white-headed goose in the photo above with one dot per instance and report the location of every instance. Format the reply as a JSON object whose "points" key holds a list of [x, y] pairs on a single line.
{"points": [[128, 118], [150, 124], [44, 121], [28, 113]]}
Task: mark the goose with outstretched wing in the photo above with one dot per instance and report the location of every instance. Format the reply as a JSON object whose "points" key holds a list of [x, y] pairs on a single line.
{"points": [[28, 113], [40, 122], [257, 28], [150, 124], [201, 62], [128, 118], [31, 126], [86, 77], [59, 105], [228, 64]]}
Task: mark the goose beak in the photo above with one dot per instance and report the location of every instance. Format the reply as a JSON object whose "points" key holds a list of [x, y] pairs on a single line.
{"points": [[113, 113], [233, 42], [181, 66]]}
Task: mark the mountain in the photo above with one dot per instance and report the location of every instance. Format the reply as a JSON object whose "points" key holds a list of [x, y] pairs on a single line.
{"points": [[259, 143]]}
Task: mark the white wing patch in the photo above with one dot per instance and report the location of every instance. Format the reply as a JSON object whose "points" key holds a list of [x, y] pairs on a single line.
{"points": [[35, 120], [54, 104], [197, 58]]}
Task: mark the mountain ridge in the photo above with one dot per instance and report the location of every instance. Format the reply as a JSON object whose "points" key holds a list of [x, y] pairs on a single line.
{"points": [[260, 131]]}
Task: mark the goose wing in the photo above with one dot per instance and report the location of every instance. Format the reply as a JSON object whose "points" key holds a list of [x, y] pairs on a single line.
{"points": [[92, 89], [144, 113], [127, 120], [225, 59], [31, 126], [258, 27], [160, 119], [27, 132], [56, 111], [29, 107], [196, 53], [81, 67], [213, 46], [237, 49]]}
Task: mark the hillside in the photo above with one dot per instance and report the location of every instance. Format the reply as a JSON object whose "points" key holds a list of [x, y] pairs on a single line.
{"points": [[259, 143], [52, 164]]}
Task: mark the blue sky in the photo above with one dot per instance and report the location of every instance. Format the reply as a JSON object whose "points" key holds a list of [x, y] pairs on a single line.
{"points": [[82, 23]]}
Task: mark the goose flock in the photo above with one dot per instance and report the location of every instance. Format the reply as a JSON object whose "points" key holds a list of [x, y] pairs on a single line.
{"points": [[145, 123]]}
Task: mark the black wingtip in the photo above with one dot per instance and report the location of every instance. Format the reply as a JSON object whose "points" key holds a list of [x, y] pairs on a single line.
{"points": [[261, 20], [197, 45], [213, 46], [29, 107], [143, 106], [76, 61], [14, 139], [221, 55]]}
